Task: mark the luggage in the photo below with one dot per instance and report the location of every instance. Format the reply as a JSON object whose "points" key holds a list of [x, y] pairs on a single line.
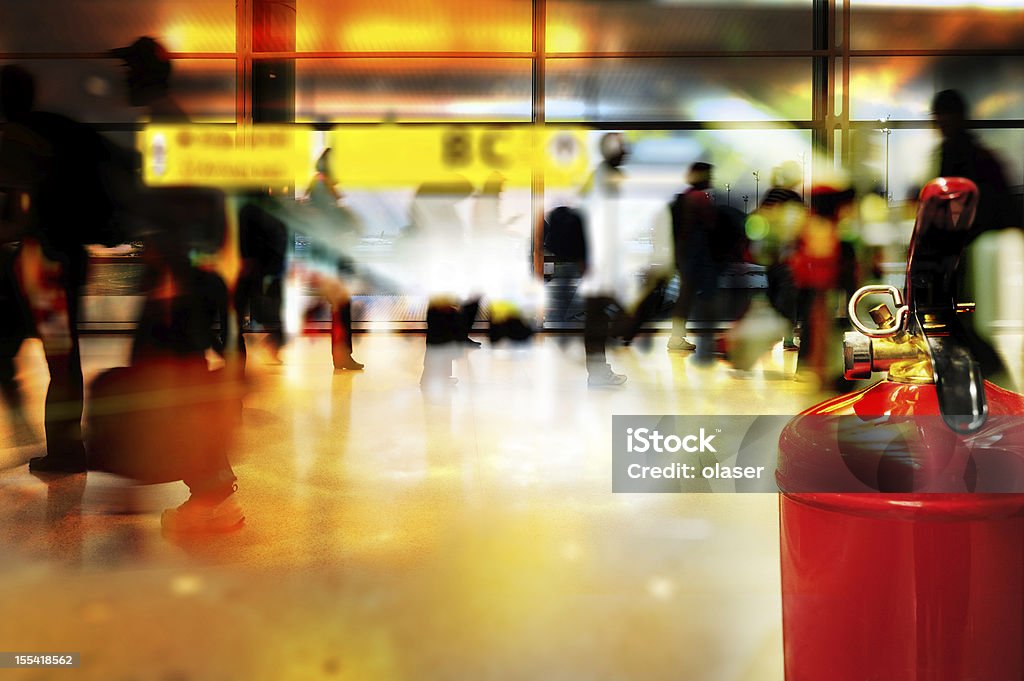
{"points": [[156, 420]]}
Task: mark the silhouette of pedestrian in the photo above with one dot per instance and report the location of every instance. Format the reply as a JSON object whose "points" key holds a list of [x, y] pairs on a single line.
{"points": [[605, 237], [71, 203]]}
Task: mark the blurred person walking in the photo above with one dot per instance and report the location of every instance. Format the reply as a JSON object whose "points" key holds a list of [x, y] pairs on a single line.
{"points": [[694, 218], [74, 182], [817, 269], [168, 416], [336, 229], [779, 217], [498, 257], [439, 253], [263, 245], [602, 280], [961, 154]]}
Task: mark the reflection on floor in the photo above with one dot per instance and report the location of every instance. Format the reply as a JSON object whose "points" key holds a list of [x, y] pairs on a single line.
{"points": [[470, 534]]}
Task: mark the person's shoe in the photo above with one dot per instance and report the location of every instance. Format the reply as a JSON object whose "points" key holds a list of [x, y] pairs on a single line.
{"points": [[471, 344], [197, 516], [273, 351], [603, 378], [680, 344], [643, 342], [348, 364], [57, 465]]}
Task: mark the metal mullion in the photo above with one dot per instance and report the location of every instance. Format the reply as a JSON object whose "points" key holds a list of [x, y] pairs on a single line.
{"points": [[1002, 124], [687, 54], [22, 56], [990, 52], [595, 125], [538, 116], [390, 55], [690, 125], [243, 62], [845, 139], [327, 125], [670, 54]]}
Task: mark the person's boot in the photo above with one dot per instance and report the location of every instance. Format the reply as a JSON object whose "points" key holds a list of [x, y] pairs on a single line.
{"points": [[57, 465], [70, 458], [341, 339]]}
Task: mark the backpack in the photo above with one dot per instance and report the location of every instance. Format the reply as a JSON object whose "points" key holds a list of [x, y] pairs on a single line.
{"points": [[729, 242], [82, 184], [564, 236]]}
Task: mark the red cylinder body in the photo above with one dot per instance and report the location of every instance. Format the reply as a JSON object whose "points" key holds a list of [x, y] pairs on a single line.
{"points": [[902, 586]]}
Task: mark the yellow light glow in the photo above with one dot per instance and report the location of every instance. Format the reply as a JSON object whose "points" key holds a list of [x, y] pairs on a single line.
{"points": [[194, 36], [376, 34], [408, 26], [997, 104], [564, 38], [881, 86]]}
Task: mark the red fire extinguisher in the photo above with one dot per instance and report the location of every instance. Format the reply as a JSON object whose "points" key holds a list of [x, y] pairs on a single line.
{"points": [[901, 515]]}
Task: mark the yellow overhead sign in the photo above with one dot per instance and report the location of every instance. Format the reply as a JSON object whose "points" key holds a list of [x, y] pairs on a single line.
{"points": [[364, 157], [393, 155], [224, 156]]}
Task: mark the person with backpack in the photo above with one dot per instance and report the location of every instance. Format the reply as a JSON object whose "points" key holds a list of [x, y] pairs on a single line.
{"points": [[693, 222], [962, 154], [74, 182]]}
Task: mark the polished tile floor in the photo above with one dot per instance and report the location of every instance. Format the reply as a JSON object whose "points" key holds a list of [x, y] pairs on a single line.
{"points": [[469, 533]]}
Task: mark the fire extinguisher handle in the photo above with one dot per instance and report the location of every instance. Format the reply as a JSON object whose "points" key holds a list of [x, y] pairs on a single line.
{"points": [[941, 234], [959, 385]]}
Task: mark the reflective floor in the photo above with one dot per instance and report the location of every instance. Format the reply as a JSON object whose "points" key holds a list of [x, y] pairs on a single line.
{"points": [[467, 533]]}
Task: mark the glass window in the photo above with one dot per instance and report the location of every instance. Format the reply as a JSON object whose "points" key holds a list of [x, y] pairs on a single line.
{"points": [[658, 159], [100, 25], [93, 90], [912, 160], [414, 25], [205, 88], [644, 25], [921, 25], [706, 89], [903, 87], [413, 89]]}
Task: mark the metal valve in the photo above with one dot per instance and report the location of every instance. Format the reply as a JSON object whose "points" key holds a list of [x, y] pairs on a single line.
{"points": [[889, 347]]}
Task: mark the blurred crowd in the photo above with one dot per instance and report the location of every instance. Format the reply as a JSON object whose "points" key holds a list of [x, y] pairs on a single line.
{"points": [[217, 265]]}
